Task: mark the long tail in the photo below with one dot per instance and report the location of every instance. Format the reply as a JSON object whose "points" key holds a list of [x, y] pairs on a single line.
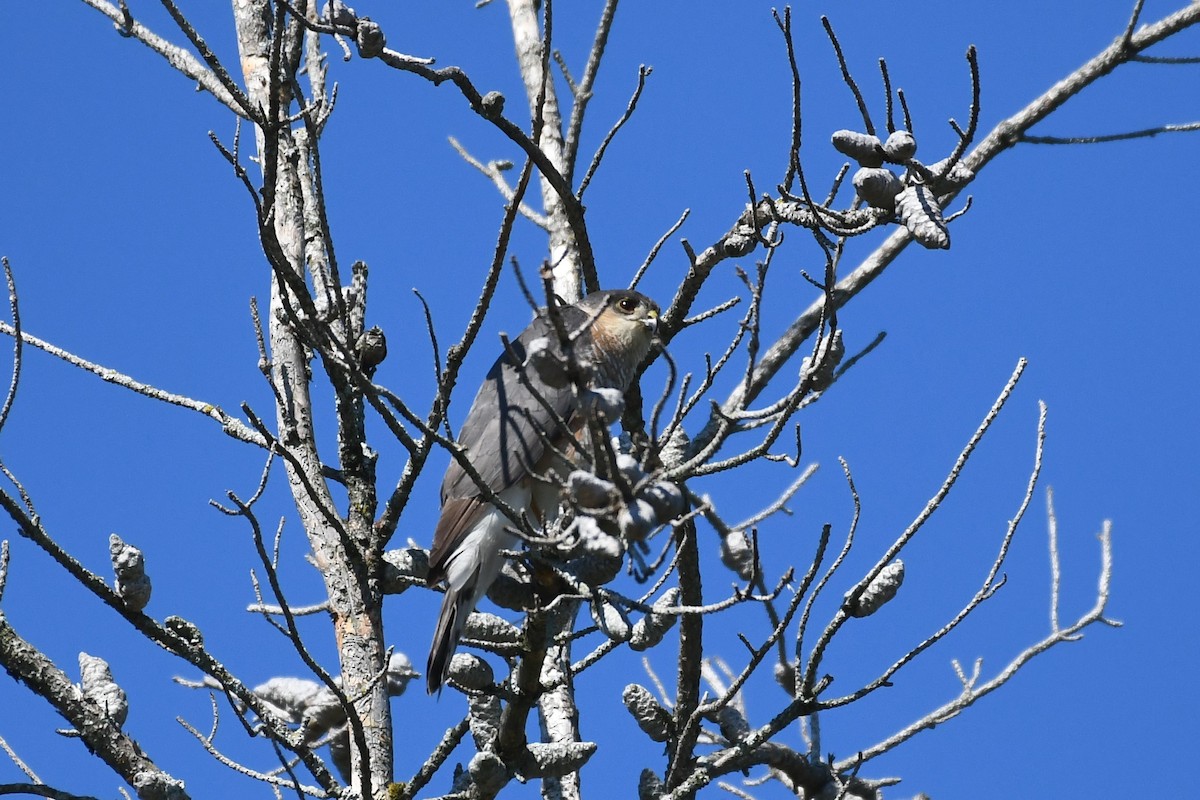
{"points": [[455, 609], [469, 569]]}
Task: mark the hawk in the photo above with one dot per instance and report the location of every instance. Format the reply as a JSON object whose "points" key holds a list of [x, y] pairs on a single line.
{"points": [[515, 414]]}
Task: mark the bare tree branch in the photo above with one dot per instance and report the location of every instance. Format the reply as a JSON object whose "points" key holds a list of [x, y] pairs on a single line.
{"points": [[973, 691], [1003, 136], [100, 732], [1146, 133], [231, 426], [179, 58], [627, 500]]}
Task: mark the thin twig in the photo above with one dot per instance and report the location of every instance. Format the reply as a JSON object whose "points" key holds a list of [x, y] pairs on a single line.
{"points": [[641, 270], [582, 93], [495, 171], [214, 64], [18, 342], [971, 694], [21, 765], [230, 425], [177, 57], [1113, 137], [986, 591], [1166, 59], [643, 73], [1055, 572], [847, 77], [903, 539], [438, 757], [210, 748], [887, 95]]}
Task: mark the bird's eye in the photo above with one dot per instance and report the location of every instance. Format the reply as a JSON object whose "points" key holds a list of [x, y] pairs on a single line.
{"points": [[627, 305]]}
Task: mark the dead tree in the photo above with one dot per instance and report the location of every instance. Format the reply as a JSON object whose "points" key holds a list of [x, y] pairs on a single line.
{"points": [[639, 502]]}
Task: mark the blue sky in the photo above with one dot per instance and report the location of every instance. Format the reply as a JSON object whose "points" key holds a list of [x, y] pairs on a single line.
{"points": [[134, 246]]}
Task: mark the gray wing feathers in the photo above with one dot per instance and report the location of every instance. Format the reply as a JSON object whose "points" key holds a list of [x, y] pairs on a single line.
{"points": [[504, 430], [503, 437]]}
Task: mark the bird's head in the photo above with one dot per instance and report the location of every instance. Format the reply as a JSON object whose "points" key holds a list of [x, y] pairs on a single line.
{"points": [[626, 321]]}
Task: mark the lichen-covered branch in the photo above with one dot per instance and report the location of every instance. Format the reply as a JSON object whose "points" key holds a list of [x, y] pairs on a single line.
{"points": [[100, 732]]}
